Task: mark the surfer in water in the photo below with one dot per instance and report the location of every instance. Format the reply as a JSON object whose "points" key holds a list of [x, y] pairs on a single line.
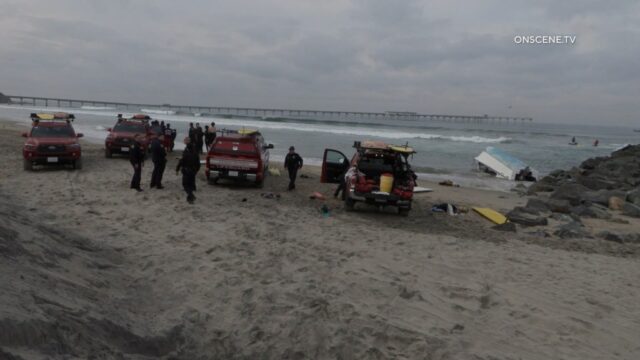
{"points": [[595, 143], [573, 141]]}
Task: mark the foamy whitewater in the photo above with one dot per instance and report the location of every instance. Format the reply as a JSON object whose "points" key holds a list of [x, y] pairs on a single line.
{"points": [[444, 150]]}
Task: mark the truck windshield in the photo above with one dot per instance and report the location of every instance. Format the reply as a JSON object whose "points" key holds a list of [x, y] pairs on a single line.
{"points": [[130, 128], [52, 131]]}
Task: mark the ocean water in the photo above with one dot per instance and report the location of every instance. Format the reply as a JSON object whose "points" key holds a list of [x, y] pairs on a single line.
{"points": [[444, 150]]}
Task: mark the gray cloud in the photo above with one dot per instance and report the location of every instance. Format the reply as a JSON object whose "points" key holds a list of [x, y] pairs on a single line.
{"points": [[434, 57]]}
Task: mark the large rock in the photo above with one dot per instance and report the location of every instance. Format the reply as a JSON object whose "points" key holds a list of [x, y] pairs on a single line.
{"points": [[591, 163], [602, 196], [630, 209], [610, 236], [559, 206], [571, 230], [539, 205], [536, 205], [616, 203], [633, 238], [600, 182], [571, 192], [633, 196], [508, 227], [522, 216], [592, 211]]}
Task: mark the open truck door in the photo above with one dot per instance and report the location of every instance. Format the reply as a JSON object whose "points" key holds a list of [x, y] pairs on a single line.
{"points": [[334, 165]]}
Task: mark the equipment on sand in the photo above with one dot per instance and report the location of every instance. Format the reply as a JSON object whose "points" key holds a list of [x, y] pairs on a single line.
{"points": [[420, 189], [491, 215]]}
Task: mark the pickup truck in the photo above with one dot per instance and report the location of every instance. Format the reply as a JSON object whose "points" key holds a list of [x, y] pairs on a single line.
{"points": [[238, 155], [377, 174]]}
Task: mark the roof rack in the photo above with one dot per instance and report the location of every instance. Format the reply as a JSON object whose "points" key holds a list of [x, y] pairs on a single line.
{"points": [[138, 117], [36, 117], [382, 146], [242, 131]]}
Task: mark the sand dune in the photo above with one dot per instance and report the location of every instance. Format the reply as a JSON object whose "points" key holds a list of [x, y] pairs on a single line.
{"points": [[90, 269]]}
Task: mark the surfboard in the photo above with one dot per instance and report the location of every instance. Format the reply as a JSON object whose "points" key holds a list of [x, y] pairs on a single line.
{"points": [[401, 149], [247, 131], [46, 116], [491, 215], [420, 189]]}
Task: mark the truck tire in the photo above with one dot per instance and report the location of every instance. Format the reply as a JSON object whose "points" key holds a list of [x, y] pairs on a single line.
{"points": [[107, 153], [77, 164], [28, 165], [403, 212]]}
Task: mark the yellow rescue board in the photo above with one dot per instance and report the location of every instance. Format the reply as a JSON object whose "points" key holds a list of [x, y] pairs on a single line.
{"points": [[491, 214], [402, 149], [247, 131], [45, 116]]}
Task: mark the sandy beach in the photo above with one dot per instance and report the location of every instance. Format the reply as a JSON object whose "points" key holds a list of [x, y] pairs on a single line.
{"points": [[91, 269]]}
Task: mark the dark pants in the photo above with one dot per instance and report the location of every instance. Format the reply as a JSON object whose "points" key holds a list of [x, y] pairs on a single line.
{"points": [[137, 174], [189, 183], [293, 173], [158, 171], [199, 146], [340, 189]]}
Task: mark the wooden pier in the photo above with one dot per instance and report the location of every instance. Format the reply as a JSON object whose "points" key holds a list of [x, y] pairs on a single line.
{"points": [[266, 112]]}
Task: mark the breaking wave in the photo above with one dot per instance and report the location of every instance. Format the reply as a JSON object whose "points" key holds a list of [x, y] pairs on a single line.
{"points": [[353, 131], [158, 112], [97, 108]]}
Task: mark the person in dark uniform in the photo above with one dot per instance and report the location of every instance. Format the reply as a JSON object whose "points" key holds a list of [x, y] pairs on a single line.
{"points": [[192, 133], [136, 157], [174, 134], [293, 163], [159, 158], [189, 164], [342, 185], [208, 139], [199, 138]]}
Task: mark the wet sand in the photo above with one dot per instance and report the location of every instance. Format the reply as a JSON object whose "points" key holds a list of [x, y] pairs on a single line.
{"points": [[90, 268]]}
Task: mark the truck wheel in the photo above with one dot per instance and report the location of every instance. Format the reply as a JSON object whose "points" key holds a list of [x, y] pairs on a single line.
{"points": [[349, 204], [213, 180], [77, 164], [28, 165], [260, 184], [403, 212], [107, 153]]}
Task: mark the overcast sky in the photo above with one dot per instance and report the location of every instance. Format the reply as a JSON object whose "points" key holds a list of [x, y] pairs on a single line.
{"points": [[442, 56]]}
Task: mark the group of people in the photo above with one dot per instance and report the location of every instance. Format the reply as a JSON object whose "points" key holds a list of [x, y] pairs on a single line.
{"points": [[167, 133], [189, 163], [596, 142], [200, 137]]}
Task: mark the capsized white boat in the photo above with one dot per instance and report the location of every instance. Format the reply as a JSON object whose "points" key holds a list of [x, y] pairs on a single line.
{"points": [[497, 162]]}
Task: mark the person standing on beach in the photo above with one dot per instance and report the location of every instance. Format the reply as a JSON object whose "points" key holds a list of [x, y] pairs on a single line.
{"points": [[293, 163], [168, 138], [207, 138], [174, 135], [192, 133], [189, 164], [136, 157], [199, 138], [159, 158]]}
